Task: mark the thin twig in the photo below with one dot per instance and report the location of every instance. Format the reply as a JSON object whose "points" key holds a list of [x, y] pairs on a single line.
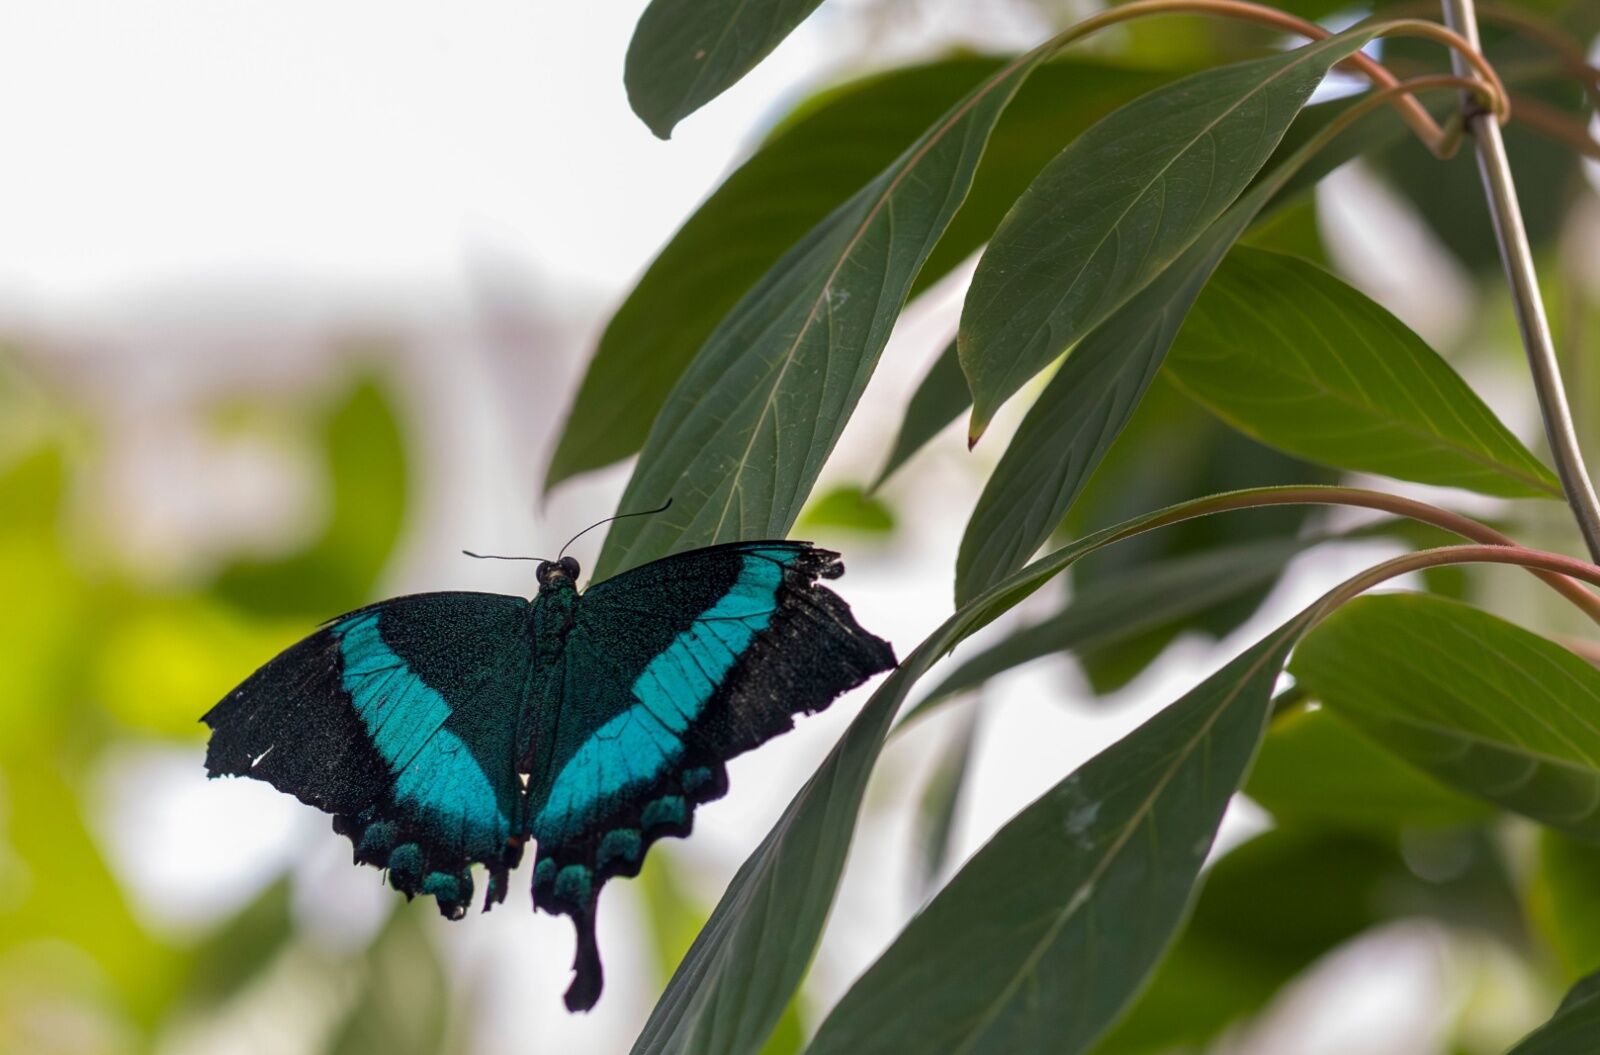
{"points": [[1501, 193]]}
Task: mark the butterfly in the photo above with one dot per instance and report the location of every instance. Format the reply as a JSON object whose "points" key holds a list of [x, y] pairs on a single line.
{"points": [[444, 730]]}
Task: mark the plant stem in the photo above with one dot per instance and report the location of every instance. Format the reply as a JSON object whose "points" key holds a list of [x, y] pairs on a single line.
{"points": [[1501, 194]]}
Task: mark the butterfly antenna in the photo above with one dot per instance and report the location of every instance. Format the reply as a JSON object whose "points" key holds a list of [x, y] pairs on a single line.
{"points": [[496, 556], [607, 520]]}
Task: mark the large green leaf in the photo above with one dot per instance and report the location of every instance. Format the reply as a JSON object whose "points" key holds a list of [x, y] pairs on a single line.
{"points": [[1120, 204], [1041, 941], [744, 434], [1291, 355], [403, 1005], [1145, 597], [1315, 769], [748, 960], [1573, 1028], [1483, 705], [1069, 429], [684, 53], [812, 164]]}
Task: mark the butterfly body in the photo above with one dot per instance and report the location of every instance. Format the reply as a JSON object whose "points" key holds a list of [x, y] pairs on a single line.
{"points": [[443, 730]]}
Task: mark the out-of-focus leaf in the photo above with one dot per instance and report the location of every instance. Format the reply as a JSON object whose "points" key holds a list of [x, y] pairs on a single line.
{"points": [[235, 954], [811, 165], [1483, 705], [1120, 204], [1315, 769], [936, 809], [1146, 597], [42, 629], [1251, 932], [367, 480], [62, 890], [939, 399], [1291, 355], [1562, 901], [164, 663], [404, 1004], [748, 960], [684, 53], [1046, 935], [748, 426], [848, 508], [1573, 1028]]}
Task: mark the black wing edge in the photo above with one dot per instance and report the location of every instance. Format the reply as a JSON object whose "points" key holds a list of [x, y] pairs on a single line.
{"points": [[293, 725], [811, 653]]}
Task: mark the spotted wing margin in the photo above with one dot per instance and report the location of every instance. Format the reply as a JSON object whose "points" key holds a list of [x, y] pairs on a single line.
{"points": [[684, 663], [400, 719]]}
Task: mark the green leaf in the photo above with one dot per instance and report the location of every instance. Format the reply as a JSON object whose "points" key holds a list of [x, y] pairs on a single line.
{"points": [[403, 1005], [1482, 705], [848, 508], [366, 467], [939, 399], [1562, 901], [1120, 204], [1143, 598], [1289, 354], [809, 167], [1573, 1028], [941, 797], [1069, 429], [750, 957], [238, 951], [1170, 450], [1042, 940], [684, 53], [1315, 769], [744, 434]]}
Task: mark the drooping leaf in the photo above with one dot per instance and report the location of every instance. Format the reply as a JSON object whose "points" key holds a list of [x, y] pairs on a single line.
{"points": [[748, 426], [684, 53], [1481, 704], [1291, 355], [1120, 204], [1573, 1028], [1041, 941], [240, 949], [1111, 610], [366, 473], [1315, 769], [810, 165], [939, 399], [1083, 409], [748, 960]]}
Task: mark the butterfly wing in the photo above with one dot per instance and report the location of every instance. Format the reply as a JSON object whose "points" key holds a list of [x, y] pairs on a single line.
{"points": [[669, 670], [401, 720]]}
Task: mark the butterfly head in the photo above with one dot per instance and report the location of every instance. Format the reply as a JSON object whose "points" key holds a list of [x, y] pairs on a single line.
{"points": [[554, 572]]}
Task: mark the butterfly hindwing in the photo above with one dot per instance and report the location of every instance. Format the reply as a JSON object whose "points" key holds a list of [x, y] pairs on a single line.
{"points": [[401, 720], [666, 672]]}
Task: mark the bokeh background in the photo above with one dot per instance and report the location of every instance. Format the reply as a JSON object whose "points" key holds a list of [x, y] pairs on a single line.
{"points": [[292, 300]]}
